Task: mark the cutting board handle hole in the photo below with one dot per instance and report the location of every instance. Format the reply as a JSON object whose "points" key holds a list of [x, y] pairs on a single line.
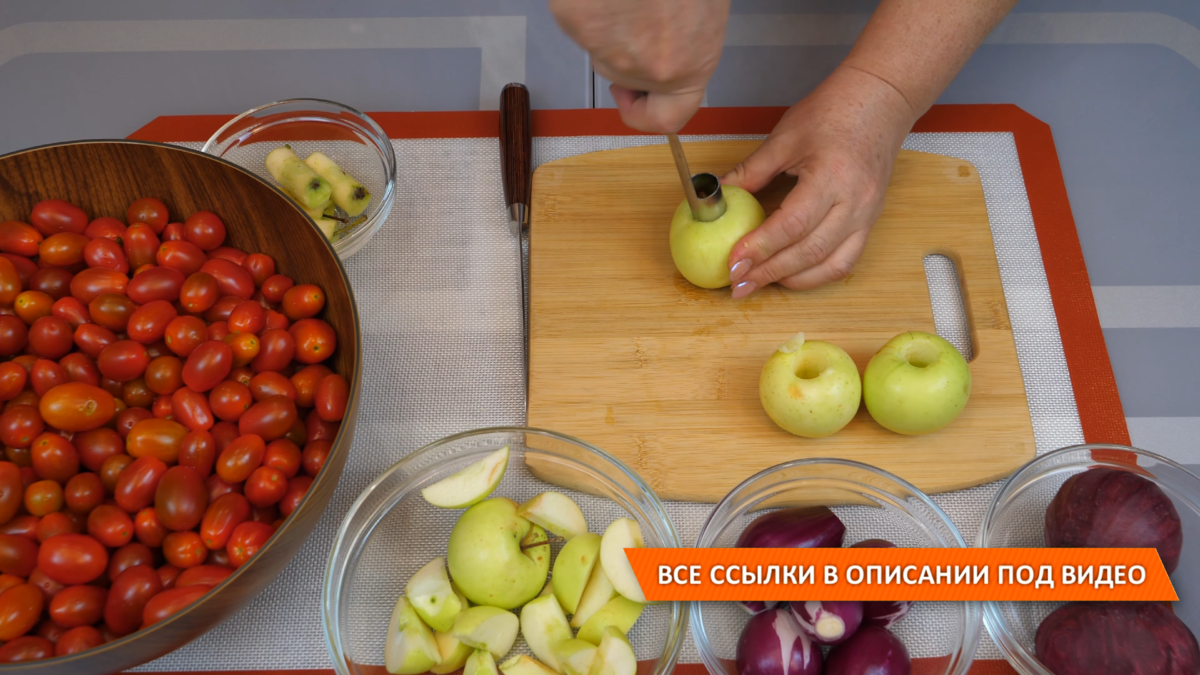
{"points": [[946, 296]]}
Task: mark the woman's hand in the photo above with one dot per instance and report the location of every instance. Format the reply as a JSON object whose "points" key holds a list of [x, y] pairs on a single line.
{"points": [[840, 143]]}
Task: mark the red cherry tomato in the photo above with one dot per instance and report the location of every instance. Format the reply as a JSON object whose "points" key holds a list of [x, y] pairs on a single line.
{"points": [[137, 483], [72, 559], [97, 445], [184, 549], [270, 418], [106, 227], [112, 311], [247, 317], [168, 574], [191, 409], [14, 335], [221, 309], [297, 488], [147, 527], [10, 281], [224, 514], [184, 334], [19, 238], [278, 348], [96, 281], [207, 365], [218, 330], [204, 229], [54, 282], [43, 497], [80, 367], [54, 523], [50, 337], [77, 606], [105, 253], [303, 301], [276, 286], [136, 394], [245, 347], [198, 451], [164, 375], [171, 601], [26, 648], [19, 425], [123, 360], [332, 395], [157, 438], [20, 609], [46, 375], [208, 575], [48, 587], [232, 278], [11, 491], [52, 216], [78, 639], [156, 283], [181, 255], [149, 322], [83, 492], [217, 487], [275, 321], [30, 306], [127, 598], [62, 249], [150, 211], [260, 266], [284, 455], [240, 458], [110, 526], [199, 292], [265, 486], [129, 419], [219, 557], [22, 526], [54, 457], [233, 255], [111, 470], [224, 433], [267, 384], [141, 245], [12, 380], [130, 555], [181, 499], [314, 456], [246, 540], [172, 232], [92, 339], [229, 400]]}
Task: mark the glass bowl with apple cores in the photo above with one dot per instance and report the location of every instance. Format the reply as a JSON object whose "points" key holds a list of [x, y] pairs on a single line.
{"points": [[831, 503], [459, 557]]}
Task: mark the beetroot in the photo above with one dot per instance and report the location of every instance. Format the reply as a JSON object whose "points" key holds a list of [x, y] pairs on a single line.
{"points": [[873, 650], [1111, 508], [772, 644], [828, 622], [882, 612], [1116, 638]]}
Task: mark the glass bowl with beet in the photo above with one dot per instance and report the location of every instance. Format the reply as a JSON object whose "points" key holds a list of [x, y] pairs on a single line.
{"points": [[830, 503], [1091, 496]]}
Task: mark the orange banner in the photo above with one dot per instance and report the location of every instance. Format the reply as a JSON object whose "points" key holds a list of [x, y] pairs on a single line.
{"points": [[946, 574]]}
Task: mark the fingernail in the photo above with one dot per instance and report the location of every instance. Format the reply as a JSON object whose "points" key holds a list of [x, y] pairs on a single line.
{"points": [[739, 269], [742, 289]]}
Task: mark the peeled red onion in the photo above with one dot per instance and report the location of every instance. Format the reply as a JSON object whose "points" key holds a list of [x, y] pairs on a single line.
{"points": [[1112, 508], [1116, 638], [756, 606], [772, 644], [828, 622], [882, 612], [800, 527], [872, 650]]}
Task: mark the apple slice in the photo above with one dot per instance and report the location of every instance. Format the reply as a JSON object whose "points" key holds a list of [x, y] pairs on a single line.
{"points": [[544, 625], [572, 568], [409, 647], [454, 653], [596, 594], [480, 662], [576, 656], [524, 665], [620, 612], [433, 597], [623, 533], [489, 628], [555, 512], [548, 589], [471, 485], [615, 655]]}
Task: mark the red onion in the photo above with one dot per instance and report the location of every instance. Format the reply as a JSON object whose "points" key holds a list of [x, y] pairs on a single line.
{"points": [[873, 650], [772, 644], [756, 606], [828, 622], [800, 527], [1112, 508], [882, 612], [1116, 638]]}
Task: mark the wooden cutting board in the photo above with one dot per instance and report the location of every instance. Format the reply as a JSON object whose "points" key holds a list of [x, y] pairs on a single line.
{"points": [[629, 356]]}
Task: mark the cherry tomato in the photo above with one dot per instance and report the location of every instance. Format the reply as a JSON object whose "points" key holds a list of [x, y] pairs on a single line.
{"points": [[110, 526], [75, 406], [241, 375], [276, 286], [12, 380], [112, 311], [156, 283], [136, 394], [71, 310], [77, 606], [246, 540], [96, 281], [26, 648], [83, 492], [332, 396], [218, 330], [181, 255], [299, 434], [267, 384], [22, 526], [111, 470], [224, 433], [184, 334], [48, 587], [50, 630], [207, 365], [28, 398], [141, 245], [20, 609], [161, 407], [314, 456], [19, 456], [198, 450], [265, 486], [164, 375], [147, 527], [52, 216], [130, 418], [106, 227], [297, 488], [270, 418], [181, 499], [97, 445], [240, 458], [50, 337], [150, 211], [224, 514], [278, 348], [283, 455], [199, 292], [171, 602], [218, 557], [54, 457], [303, 301], [221, 310], [233, 255], [137, 483], [191, 409], [275, 321], [107, 254], [246, 317], [130, 555], [10, 281], [232, 278], [123, 360], [149, 322], [62, 249], [54, 523], [78, 639], [204, 229], [33, 305], [92, 338], [217, 487], [245, 347], [131, 590], [229, 400], [208, 575], [14, 335], [172, 232], [53, 281], [80, 367], [260, 266], [158, 438], [45, 375], [11, 491], [7, 581], [19, 425], [19, 238], [168, 574], [72, 559], [43, 497], [184, 549]]}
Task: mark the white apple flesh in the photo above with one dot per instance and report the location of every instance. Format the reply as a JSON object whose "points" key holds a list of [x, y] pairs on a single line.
{"points": [[409, 646], [573, 567], [524, 665], [453, 652], [433, 597], [614, 656], [620, 613], [701, 249], [917, 383], [621, 534], [576, 656], [596, 594], [489, 628], [544, 625], [491, 558], [810, 388], [480, 662], [470, 485], [556, 513]]}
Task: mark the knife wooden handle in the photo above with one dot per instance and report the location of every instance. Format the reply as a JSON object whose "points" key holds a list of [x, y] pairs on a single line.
{"points": [[516, 147]]}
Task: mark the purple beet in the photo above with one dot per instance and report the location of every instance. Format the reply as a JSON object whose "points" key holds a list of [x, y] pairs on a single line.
{"points": [[1111, 508], [1111, 638], [801, 527], [882, 612], [873, 650], [828, 622], [772, 644]]}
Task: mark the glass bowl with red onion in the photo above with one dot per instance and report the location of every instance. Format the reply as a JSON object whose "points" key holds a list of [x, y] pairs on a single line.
{"points": [[829, 503], [1091, 496]]}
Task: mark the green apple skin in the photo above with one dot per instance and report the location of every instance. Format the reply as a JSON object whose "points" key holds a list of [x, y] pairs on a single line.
{"points": [[544, 625], [490, 628], [576, 656], [486, 560], [810, 388], [621, 534], [701, 250], [596, 594], [480, 662], [620, 612], [433, 597], [614, 655], [555, 512], [470, 485], [524, 665], [454, 653], [573, 567], [409, 646], [917, 383]]}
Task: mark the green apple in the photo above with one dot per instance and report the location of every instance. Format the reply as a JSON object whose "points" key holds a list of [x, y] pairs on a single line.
{"points": [[620, 612], [489, 628], [575, 656], [701, 250], [488, 560], [614, 655], [573, 567], [409, 646], [917, 383], [480, 662], [454, 653], [810, 388], [433, 597], [470, 485], [548, 589], [544, 625], [524, 665], [596, 594], [623, 533], [555, 512]]}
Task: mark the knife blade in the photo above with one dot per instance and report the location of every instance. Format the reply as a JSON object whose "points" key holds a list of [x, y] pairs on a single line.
{"points": [[516, 170]]}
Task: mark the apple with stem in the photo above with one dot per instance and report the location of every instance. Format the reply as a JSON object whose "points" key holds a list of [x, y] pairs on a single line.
{"points": [[917, 383], [409, 646], [496, 557], [701, 249], [556, 513], [573, 567], [621, 534], [544, 625], [470, 485], [810, 388]]}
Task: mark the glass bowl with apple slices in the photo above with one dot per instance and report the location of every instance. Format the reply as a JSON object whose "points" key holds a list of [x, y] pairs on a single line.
{"points": [[395, 542], [830, 503]]}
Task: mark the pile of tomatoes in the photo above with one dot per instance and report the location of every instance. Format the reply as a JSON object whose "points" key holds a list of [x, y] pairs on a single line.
{"points": [[165, 407]]}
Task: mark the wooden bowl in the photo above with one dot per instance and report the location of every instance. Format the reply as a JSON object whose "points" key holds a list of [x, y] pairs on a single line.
{"points": [[103, 178]]}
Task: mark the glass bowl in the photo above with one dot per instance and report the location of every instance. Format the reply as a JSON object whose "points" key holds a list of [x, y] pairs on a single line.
{"points": [[873, 504], [351, 139], [1016, 519], [391, 531]]}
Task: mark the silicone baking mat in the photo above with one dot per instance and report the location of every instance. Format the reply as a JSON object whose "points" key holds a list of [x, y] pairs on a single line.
{"points": [[437, 288]]}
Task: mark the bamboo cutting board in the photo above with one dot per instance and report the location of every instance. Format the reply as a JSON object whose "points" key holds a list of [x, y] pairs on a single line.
{"points": [[629, 356]]}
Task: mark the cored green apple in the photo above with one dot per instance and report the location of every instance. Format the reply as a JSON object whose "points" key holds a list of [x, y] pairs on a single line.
{"points": [[524, 665], [620, 613], [544, 625], [614, 655], [555, 512], [470, 485], [573, 567], [621, 534], [701, 249], [454, 653], [433, 597], [810, 388], [489, 628], [576, 656], [596, 594], [409, 646], [488, 559], [916, 383], [480, 662]]}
